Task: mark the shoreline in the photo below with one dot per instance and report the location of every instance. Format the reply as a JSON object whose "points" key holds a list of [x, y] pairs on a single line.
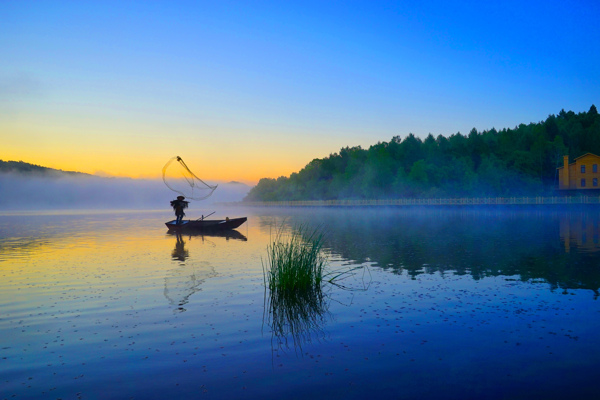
{"points": [[406, 202]]}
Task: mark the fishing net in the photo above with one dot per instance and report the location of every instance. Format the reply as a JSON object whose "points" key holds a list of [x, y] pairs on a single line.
{"points": [[180, 179]]}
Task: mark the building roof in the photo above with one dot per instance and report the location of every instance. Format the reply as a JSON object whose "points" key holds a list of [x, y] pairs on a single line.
{"points": [[585, 155]]}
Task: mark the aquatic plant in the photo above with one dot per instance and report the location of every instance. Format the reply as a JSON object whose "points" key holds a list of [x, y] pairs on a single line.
{"points": [[295, 275], [295, 261]]}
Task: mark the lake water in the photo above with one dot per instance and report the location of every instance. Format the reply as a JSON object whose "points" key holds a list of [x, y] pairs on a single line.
{"points": [[445, 304]]}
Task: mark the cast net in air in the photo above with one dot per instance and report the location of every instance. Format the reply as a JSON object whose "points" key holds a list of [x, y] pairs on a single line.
{"points": [[180, 179]]}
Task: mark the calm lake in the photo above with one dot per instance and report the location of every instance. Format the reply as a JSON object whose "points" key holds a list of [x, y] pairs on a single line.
{"points": [[444, 304]]}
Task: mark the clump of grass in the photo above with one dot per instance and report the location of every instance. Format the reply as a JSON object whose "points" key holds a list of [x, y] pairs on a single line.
{"points": [[294, 273], [295, 262]]}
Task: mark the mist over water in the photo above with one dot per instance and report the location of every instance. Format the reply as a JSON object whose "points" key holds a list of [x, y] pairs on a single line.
{"points": [[39, 192]]}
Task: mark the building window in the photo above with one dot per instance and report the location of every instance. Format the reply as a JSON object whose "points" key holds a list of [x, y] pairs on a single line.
{"points": [[595, 182], [595, 168], [583, 169], [583, 183]]}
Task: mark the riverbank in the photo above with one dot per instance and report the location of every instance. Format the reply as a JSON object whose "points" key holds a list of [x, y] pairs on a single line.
{"points": [[466, 201]]}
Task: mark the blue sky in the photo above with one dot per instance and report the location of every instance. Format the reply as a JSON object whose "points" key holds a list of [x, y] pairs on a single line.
{"points": [[273, 85]]}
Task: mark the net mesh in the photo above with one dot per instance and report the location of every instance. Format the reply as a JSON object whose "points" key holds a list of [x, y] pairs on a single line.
{"points": [[180, 179]]}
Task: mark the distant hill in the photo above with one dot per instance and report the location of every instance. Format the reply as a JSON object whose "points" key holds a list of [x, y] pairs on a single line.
{"points": [[32, 169]]}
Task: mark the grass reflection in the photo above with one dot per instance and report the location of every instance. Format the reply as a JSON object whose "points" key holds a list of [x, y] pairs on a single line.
{"points": [[296, 316]]}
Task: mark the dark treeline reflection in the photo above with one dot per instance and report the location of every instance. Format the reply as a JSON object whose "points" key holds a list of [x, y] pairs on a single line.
{"points": [[559, 247]]}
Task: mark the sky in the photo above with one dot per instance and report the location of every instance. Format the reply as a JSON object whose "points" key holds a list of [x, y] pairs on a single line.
{"points": [[243, 90]]}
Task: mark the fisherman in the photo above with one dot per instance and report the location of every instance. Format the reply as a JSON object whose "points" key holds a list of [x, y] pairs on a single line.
{"points": [[179, 205]]}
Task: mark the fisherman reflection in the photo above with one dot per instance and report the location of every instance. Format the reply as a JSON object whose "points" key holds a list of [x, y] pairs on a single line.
{"points": [[185, 280], [180, 252]]}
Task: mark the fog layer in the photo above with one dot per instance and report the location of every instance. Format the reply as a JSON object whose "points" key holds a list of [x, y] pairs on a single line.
{"points": [[49, 191]]}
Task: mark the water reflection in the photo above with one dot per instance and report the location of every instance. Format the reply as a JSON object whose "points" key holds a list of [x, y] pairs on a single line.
{"points": [[580, 231], [558, 247], [297, 317], [227, 235], [179, 252], [185, 280], [83, 310]]}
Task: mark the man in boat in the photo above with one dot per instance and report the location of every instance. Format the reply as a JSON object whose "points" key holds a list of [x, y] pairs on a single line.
{"points": [[178, 206]]}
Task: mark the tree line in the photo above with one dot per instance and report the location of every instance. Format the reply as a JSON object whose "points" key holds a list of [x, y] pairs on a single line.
{"points": [[511, 162]]}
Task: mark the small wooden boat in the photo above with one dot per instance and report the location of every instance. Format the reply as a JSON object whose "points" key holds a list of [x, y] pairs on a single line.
{"points": [[206, 224]]}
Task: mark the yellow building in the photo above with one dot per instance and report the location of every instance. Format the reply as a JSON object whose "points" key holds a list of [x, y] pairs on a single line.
{"points": [[583, 174]]}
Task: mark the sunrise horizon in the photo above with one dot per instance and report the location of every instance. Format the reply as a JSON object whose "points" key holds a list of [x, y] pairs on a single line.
{"points": [[150, 168], [244, 92]]}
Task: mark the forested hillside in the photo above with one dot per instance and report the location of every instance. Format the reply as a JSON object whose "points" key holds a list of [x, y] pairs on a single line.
{"points": [[510, 162]]}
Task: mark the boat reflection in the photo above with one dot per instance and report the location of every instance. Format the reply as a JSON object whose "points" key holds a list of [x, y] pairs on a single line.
{"points": [[228, 234]]}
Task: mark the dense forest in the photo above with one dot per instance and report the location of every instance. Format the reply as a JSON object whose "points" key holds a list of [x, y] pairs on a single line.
{"points": [[510, 162]]}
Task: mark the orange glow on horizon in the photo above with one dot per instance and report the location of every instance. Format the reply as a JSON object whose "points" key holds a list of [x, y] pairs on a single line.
{"points": [[151, 168], [105, 148]]}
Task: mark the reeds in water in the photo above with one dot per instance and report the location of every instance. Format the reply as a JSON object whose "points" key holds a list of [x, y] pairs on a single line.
{"points": [[295, 262], [295, 275]]}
